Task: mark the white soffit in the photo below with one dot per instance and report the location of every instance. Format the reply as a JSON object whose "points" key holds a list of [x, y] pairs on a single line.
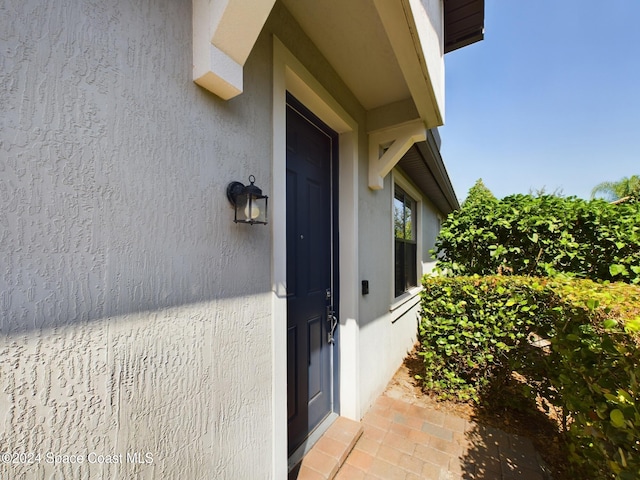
{"points": [[224, 32], [385, 51], [351, 36], [390, 55]]}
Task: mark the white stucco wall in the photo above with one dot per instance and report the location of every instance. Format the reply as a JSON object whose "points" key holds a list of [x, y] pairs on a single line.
{"points": [[388, 328], [134, 315]]}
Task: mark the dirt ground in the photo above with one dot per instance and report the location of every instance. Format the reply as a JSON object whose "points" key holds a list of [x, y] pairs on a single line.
{"points": [[534, 424]]}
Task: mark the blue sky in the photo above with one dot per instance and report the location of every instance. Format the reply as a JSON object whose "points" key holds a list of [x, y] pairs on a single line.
{"points": [[550, 98]]}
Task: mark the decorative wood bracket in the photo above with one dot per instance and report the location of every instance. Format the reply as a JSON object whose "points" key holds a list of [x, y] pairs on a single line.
{"points": [[386, 148], [224, 33]]}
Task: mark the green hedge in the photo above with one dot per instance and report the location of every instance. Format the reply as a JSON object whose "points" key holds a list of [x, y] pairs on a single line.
{"points": [[527, 235], [477, 330]]}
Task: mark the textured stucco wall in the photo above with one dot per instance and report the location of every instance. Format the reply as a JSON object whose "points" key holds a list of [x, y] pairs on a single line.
{"points": [[386, 336], [134, 315]]}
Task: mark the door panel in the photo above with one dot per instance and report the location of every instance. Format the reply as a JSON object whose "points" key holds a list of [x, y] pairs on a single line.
{"points": [[309, 274]]}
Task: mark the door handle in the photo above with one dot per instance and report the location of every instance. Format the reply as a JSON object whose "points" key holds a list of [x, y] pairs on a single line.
{"points": [[333, 323]]}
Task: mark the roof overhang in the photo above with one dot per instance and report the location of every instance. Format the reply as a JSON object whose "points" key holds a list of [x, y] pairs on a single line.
{"points": [[385, 51], [423, 164], [463, 23], [389, 53]]}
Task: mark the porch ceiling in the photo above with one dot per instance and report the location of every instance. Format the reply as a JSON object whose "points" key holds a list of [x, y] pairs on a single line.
{"points": [[352, 38]]}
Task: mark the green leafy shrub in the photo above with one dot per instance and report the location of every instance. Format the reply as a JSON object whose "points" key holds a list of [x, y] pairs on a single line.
{"points": [[544, 235], [476, 330]]}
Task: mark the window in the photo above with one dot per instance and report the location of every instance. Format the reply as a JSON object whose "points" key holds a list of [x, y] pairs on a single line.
{"points": [[404, 214]]}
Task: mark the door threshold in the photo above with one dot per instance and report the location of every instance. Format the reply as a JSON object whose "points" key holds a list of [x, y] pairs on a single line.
{"points": [[302, 450], [328, 455]]}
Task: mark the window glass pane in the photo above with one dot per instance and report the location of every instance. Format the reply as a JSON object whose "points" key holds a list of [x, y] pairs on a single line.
{"points": [[408, 218], [398, 216], [410, 265], [405, 270], [399, 268]]}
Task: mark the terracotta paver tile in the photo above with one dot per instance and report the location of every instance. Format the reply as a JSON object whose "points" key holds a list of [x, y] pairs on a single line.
{"points": [[396, 474], [411, 463], [360, 459], [384, 471], [399, 418], [400, 405], [330, 447], [458, 466], [400, 443], [307, 473], [349, 472], [320, 462], [384, 401], [516, 462], [344, 423], [491, 436], [400, 429], [432, 416], [429, 454], [450, 447], [389, 454], [454, 423], [482, 459], [460, 438], [414, 422], [418, 436], [382, 411], [377, 421], [374, 433], [437, 431], [470, 425], [476, 443], [381, 469], [343, 428], [431, 471], [488, 470], [340, 436], [367, 445]]}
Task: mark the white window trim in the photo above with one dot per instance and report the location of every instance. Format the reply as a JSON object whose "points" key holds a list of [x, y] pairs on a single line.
{"points": [[401, 304]]}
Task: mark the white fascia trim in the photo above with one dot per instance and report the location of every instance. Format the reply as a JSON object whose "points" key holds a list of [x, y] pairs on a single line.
{"points": [[416, 35], [224, 33], [387, 146]]}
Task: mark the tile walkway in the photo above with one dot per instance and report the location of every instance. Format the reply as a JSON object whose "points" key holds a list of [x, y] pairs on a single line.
{"points": [[400, 440]]}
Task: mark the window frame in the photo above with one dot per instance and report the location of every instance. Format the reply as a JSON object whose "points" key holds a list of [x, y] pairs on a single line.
{"points": [[399, 181]]}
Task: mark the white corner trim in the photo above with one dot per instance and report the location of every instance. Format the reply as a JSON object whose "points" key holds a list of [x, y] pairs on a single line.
{"points": [[224, 33], [397, 140]]}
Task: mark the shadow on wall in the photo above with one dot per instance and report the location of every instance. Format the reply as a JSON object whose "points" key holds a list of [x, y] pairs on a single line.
{"points": [[54, 290]]}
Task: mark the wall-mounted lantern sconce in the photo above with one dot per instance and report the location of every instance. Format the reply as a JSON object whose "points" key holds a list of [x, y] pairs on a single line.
{"points": [[249, 202]]}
